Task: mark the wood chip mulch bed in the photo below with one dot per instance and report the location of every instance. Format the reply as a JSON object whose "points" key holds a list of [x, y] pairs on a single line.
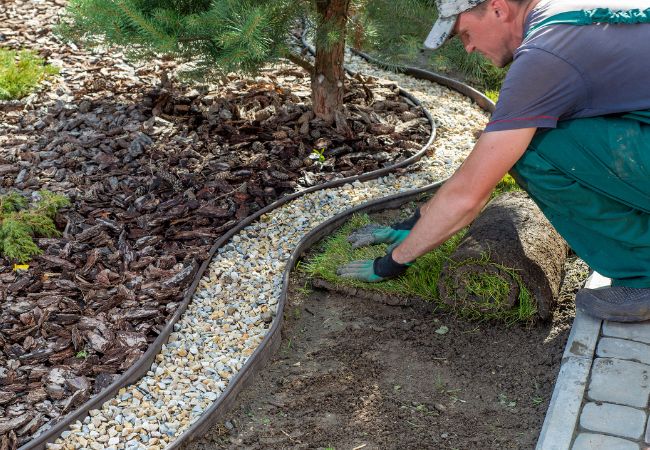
{"points": [[156, 174]]}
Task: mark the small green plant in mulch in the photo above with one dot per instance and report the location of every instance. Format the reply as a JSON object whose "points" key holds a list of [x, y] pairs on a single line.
{"points": [[318, 154], [21, 221], [421, 280], [21, 72]]}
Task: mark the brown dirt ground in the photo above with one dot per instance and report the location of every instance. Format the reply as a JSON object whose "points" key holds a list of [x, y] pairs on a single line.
{"points": [[356, 374]]}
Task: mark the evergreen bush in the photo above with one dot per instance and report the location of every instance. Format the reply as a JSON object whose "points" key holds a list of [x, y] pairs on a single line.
{"points": [[20, 222], [21, 72]]}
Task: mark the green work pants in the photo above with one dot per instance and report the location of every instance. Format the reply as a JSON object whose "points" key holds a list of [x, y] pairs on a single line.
{"points": [[591, 179]]}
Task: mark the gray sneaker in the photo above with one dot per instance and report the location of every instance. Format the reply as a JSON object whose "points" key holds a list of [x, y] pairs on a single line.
{"points": [[619, 303]]}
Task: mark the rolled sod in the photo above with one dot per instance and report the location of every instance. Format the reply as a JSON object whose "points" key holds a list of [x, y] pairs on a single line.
{"points": [[511, 257]]}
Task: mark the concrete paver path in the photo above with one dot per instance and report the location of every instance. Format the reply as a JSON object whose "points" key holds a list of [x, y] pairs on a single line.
{"points": [[601, 396]]}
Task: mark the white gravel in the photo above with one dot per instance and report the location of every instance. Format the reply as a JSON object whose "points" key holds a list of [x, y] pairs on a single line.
{"points": [[237, 298]]}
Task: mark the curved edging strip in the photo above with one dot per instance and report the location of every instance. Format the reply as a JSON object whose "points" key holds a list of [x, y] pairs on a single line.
{"points": [[480, 99], [141, 367], [272, 339]]}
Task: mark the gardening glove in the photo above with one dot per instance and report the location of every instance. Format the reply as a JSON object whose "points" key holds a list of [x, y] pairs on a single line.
{"points": [[373, 271], [379, 234]]}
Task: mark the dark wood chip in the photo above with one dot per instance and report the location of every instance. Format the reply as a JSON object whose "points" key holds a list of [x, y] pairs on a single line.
{"points": [[11, 424]]}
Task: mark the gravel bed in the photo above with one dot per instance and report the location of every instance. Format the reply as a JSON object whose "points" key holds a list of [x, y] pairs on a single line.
{"points": [[237, 297]]}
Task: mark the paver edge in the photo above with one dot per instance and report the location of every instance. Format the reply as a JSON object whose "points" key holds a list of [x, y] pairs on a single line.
{"points": [[564, 408]]}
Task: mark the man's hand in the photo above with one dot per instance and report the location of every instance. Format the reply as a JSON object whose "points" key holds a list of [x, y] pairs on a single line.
{"points": [[373, 271], [378, 234]]}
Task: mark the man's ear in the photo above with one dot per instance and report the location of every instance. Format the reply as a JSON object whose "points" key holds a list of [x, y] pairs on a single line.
{"points": [[502, 9]]}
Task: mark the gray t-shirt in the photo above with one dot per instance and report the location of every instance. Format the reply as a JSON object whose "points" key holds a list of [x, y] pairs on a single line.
{"points": [[565, 71]]}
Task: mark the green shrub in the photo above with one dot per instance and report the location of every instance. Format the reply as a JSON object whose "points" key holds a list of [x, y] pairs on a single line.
{"points": [[20, 222], [21, 72]]}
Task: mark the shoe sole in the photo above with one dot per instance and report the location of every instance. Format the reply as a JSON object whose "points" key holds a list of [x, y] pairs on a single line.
{"points": [[638, 312]]}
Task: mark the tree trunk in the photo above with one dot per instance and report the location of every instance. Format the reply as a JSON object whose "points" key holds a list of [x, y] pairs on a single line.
{"points": [[329, 75]]}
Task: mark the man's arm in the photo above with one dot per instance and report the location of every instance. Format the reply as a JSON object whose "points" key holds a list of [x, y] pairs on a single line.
{"points": [[461, 198]]}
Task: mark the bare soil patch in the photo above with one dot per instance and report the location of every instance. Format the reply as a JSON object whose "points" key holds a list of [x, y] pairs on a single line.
{"points": [[353, 373]]}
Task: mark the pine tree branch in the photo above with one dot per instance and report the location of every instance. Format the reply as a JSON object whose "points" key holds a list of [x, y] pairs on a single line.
{"points": [[299, 61]]}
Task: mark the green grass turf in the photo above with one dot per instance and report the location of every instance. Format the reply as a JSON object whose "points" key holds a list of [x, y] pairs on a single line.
{"points": [[421, 279]]}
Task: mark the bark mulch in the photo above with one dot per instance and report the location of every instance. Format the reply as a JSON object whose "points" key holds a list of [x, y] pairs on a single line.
{"points": [[156, 173]]}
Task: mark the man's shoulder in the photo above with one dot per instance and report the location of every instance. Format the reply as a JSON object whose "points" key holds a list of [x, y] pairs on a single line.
{"points": [[542, 56]]}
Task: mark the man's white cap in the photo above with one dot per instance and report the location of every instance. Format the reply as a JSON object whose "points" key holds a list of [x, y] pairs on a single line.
{"points": [[448, 11]]}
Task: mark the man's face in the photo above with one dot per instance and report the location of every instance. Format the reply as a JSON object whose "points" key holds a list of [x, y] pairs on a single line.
{"points": [[485, 31]]}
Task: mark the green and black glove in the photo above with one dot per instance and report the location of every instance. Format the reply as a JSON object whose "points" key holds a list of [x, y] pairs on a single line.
{"points": [[380, 234], [379, 269], [373, 271]]}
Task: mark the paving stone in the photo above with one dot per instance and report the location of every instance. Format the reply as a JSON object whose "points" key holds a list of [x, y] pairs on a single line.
{"points": [[613, 419], [623, 349], [647, 434], [590, 441], [620, 381], [563, 410], [583, 337], [638, 331]]}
